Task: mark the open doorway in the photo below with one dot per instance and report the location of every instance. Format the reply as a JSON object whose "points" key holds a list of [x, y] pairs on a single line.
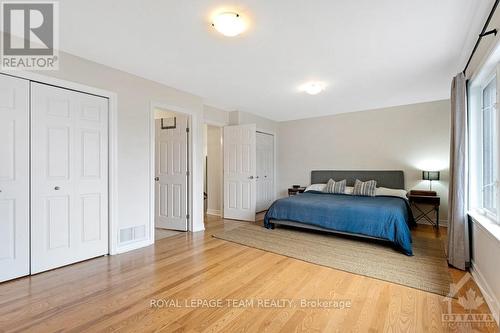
{"points": [[213, 177], [171, 171]]}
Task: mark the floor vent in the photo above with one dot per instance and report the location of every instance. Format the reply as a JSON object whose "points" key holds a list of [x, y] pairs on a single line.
{"points": [[132, 234], [140, 232]]}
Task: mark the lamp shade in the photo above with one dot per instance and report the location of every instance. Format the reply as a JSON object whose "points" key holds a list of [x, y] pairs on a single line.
{"points": [[430, 175]]}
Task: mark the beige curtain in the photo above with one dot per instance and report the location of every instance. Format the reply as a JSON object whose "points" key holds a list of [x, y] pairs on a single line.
{"points": [[458, 232]]}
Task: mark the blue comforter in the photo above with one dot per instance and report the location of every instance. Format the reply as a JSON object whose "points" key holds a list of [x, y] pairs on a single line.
{"points": [[383, 217]]}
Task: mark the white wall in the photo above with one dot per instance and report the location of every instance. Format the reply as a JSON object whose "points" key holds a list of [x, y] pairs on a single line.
{"points": [[409, 138], [485, 249], [263, 124], [161, 113], [487, 43], [214, 172], [135, 95], [485, 234], [215, 116]]}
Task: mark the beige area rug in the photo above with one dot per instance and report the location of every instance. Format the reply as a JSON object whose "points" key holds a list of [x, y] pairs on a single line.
{"points": [[427, 270], [164, 233]]}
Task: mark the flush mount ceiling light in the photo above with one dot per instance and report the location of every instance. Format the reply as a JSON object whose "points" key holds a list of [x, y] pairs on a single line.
{"points": [[313, 88], [229, 24]]}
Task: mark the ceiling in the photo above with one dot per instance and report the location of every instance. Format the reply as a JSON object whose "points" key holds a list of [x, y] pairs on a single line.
{"points": [[371, 54]]}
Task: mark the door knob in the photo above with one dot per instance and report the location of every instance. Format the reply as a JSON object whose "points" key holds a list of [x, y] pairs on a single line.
{"points": [[251, 177], [157, 178], [257, 177], [57, 188]]}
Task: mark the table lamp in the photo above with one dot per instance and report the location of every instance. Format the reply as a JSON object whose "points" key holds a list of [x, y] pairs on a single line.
{"points": [[430, 176]]}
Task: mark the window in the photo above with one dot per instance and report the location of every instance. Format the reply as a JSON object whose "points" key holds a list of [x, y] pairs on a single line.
{"points": [[489, 167], [483, 153]]}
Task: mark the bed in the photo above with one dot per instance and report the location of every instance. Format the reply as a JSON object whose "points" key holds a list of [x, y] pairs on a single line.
{"points": [[386, 218]]}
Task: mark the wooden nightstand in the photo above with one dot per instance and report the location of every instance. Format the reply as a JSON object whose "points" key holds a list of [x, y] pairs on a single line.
{"points": [[295, 191], [419, 199]]}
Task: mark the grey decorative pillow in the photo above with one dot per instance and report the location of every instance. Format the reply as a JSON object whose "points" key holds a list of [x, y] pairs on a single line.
{"points": [[335, 187], [367, 189]]}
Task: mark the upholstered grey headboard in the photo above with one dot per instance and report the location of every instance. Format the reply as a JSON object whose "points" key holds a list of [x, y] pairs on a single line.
{"points": [[385, 178]]}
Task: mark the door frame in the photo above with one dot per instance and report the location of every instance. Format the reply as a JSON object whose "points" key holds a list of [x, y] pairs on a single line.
{"points": [[275, 159], [260, 129], [275, 154], [112, 97], [219, 125], [271, 133], [152, 163]]}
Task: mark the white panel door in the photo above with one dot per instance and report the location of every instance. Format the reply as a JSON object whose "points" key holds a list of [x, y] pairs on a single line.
{"points": [[260, 199], [14, 178], [171, 175], [265, 171], [239, 172], [69, 177]]}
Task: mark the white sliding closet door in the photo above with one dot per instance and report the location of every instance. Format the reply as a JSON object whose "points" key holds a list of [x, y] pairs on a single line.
{"points": [[265, 171], [239, 172], [69, 174], [14, 178]]}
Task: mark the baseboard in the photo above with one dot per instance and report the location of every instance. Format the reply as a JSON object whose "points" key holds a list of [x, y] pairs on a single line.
{"points": [[215, 212], [442, 223], [199, 228], [489, 297], [130, 246]]}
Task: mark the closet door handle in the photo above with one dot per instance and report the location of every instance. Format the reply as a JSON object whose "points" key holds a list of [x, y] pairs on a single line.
{"points": [[157, 179], [57, 188], [251, 177], [257, 177]]}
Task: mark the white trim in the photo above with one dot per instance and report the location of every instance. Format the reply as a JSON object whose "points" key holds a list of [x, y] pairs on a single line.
{"points": [[484, 84], [152, 141], [134, 245], [221, 182], [487, 225], [489, 296], [114, 231], [484, 76], [217, 212], [152, 172], [112, 143], [60, 83]]}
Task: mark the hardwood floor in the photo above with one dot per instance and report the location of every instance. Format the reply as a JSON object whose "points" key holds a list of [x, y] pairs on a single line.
{"points": [[115, 293]]}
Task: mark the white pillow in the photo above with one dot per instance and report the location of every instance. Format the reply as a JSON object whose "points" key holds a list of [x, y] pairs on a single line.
{"points": [[349, 190], [316, 187], [390, 192], [335, 187]]}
